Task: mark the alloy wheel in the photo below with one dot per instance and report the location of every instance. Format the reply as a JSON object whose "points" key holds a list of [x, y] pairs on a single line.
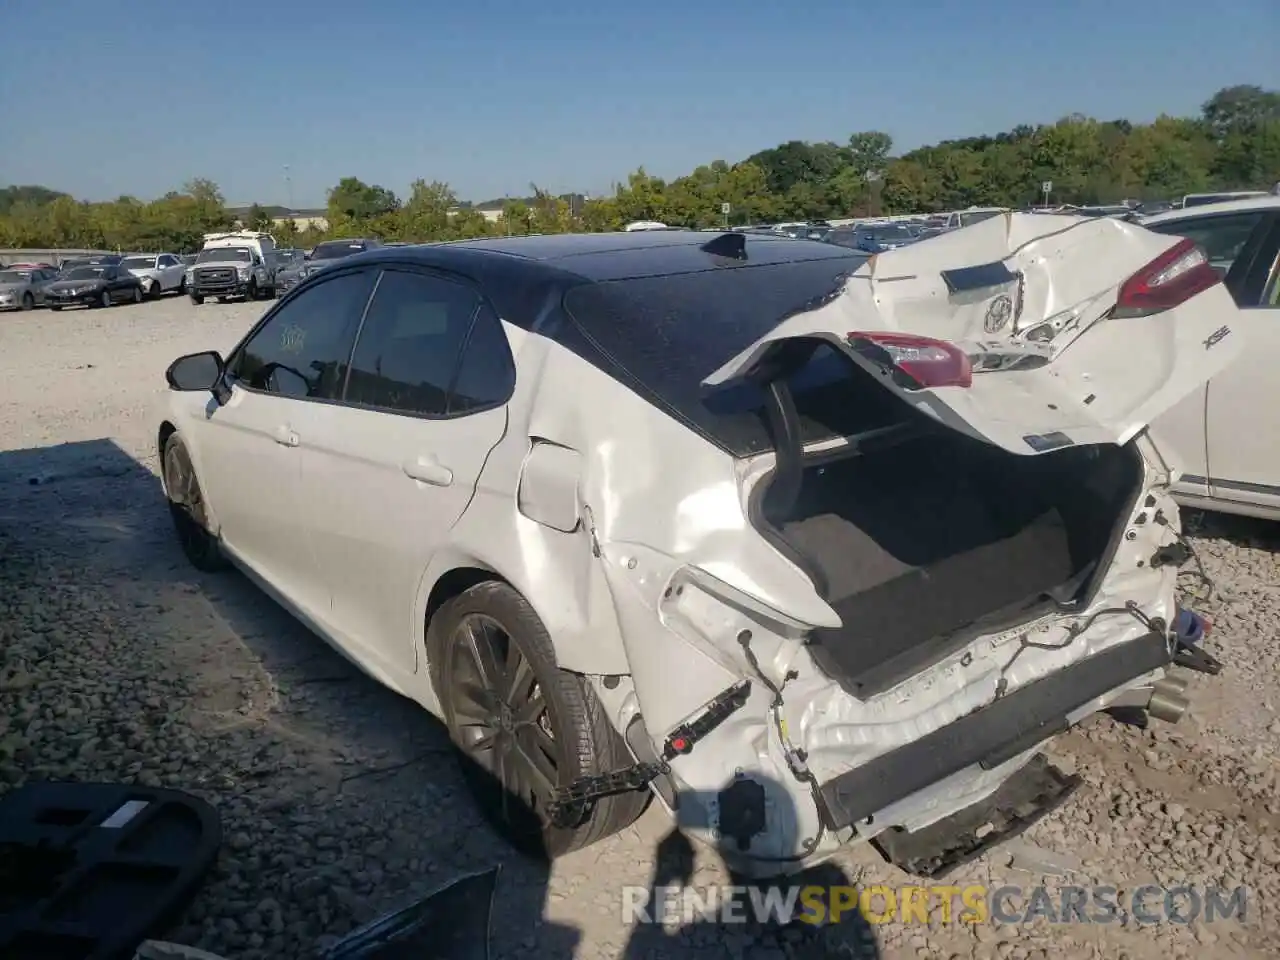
{"points": [[500, 714]]}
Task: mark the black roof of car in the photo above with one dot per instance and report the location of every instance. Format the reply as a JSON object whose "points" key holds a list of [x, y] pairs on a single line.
{"points": [[608, 256]]}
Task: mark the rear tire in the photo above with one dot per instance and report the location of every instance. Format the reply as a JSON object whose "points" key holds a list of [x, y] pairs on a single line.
{"points": [[544, 712], [187, 509]]}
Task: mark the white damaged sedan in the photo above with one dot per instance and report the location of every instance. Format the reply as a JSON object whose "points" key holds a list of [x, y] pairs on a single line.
{"points": [[811, 547]]}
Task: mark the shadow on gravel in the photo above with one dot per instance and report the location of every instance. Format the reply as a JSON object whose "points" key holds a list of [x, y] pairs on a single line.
{"points": [[812, 914], [1241, 531], [340, 800], [67, 464]]}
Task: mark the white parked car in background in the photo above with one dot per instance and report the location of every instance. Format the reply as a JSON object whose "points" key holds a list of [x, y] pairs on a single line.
{"points": [[159, 272], [1226, 433], [815, 547]]}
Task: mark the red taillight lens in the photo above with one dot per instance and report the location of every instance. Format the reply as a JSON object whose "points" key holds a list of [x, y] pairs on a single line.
{"points": [[1170, 279], [928, 362]]}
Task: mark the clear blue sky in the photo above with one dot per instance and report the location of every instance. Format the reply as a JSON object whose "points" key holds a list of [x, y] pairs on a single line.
{"points": [[138, 96]]}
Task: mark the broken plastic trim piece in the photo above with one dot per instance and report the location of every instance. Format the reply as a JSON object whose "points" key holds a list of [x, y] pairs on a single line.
{"points": [[571, 801], [450, 923], [1037, 789]]}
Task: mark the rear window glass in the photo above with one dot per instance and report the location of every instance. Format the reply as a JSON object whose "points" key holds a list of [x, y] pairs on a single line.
{"points": [[668, 333]]}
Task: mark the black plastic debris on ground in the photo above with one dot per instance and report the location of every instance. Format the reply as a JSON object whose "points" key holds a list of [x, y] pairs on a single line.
{"points": [[450, 923], [89, 870]]}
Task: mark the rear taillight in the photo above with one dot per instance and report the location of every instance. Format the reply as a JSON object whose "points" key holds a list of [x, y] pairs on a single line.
{"points": [[1170, 279], [925, 361]]}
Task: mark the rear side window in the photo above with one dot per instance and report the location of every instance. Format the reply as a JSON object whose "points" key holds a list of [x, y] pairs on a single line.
{"points": [[410, 343], [487, 375]]}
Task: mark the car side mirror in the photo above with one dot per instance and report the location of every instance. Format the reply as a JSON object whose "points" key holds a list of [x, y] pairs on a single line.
{"points": [[196, 372]]}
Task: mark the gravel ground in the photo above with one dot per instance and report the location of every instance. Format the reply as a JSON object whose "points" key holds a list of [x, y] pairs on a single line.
{"points": [[340, 800]]}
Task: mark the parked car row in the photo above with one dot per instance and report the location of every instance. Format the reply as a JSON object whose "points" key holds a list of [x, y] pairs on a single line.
{"points": [[240, 264], [25, 286]]}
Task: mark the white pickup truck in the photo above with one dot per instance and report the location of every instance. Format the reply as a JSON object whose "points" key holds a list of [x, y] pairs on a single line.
{"points": [[236, 264]]}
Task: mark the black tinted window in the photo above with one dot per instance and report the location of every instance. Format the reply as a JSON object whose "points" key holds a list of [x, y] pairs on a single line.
{"points": [[410, 343], [487, 374], [302, 350]]}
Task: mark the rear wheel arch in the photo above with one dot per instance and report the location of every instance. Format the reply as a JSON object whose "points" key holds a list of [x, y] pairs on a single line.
{"points": [[579, 649], [453, 583]]}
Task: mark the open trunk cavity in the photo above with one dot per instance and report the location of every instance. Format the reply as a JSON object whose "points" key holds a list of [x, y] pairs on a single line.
{"points": [[922, 541]]}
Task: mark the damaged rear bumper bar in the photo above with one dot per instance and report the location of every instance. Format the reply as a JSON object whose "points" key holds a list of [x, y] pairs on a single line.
{"points": [[991, 735]]}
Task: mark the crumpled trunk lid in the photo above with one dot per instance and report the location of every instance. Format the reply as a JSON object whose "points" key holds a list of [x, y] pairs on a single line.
{"points": [[1028, 298]]}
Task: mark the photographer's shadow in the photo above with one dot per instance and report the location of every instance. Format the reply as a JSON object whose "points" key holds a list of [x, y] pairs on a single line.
{"points": [[749, 915]]}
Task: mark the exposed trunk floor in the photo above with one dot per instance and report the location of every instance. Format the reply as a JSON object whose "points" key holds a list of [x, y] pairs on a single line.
{"points": [[892, 609]]}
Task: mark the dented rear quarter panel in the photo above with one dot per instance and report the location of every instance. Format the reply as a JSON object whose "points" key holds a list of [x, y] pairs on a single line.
{"points": [[653, 497]]}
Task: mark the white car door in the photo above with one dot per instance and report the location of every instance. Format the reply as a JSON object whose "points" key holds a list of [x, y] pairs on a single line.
{"points": [[397, 462], [250, 459], [1131, 323], [170, 271]]}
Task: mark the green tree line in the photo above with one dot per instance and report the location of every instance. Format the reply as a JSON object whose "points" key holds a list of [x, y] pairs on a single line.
{"points": [[1234, 143]]}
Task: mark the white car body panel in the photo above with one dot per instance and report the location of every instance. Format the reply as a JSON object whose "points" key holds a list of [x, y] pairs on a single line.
{"points": [[1227, 435], [382, 494], [628, 533]]}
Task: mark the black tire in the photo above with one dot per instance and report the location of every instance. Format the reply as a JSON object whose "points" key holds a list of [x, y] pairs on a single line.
{"points": [[567, 726], [54, 309], [187, 510], [137, 293], [182, 287], [28, 301], [197, 299], [105, 300], [252, 292]]}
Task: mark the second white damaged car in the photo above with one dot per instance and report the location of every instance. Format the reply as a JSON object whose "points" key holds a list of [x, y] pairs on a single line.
{"points": [[813, 547], [160, 273]]}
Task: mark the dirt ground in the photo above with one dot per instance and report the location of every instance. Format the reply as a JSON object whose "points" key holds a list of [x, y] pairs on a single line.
{"points": [[340, 799]]}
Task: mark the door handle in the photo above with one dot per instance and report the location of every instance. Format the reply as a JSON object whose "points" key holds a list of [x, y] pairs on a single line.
{"points": [[286, 437], [429, 470]]}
